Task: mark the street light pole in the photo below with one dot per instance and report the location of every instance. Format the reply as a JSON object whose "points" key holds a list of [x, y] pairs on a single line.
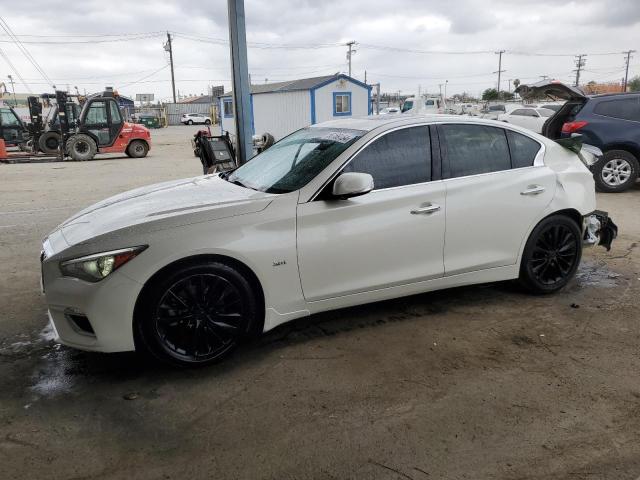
{"points": [[15, 102]]}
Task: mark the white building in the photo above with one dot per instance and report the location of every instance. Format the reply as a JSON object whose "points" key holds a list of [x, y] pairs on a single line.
{"points": [[281, 108]]}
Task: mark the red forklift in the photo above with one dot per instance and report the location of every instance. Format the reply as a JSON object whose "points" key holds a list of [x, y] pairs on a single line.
{"points": [[100, 128]]}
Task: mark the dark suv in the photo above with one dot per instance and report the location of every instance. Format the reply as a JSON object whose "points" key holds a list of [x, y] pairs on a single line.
{"points": [[610, 122]]}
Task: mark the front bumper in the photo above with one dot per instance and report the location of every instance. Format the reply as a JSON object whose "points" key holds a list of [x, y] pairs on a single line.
{"points": [[91, 316]]}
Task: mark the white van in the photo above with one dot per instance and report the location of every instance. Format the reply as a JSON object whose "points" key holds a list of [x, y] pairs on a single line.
{"points": [[431, 105]]}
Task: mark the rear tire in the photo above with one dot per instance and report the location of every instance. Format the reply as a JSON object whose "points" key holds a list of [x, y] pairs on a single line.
{"points": [[49, 143], [551, 256], [616, 171], [81, 147], [196, 314], [137, 149]]}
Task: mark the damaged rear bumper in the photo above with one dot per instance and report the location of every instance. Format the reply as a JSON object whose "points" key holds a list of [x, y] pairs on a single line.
{"points": [[599, 229]]}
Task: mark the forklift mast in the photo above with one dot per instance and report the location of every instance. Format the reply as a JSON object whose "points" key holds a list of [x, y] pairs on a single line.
{"points": [[36, 127]]}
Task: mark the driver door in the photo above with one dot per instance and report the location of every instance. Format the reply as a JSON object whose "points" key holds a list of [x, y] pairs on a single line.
{"points": [[391, 236]]}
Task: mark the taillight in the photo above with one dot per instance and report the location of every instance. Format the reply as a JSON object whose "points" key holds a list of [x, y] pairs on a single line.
{"points": [[571, 127]]}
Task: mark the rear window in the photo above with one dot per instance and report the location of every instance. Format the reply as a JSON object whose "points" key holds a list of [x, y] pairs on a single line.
{"points": [[473, 149], [622, 108], [523, 149]]}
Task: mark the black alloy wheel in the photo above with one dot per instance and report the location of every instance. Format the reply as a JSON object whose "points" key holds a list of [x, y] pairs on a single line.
{"points": [[197, 315], [552, 255]]}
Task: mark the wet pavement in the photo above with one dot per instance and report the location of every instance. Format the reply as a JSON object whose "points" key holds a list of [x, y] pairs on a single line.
{"points": [[475, 382]]}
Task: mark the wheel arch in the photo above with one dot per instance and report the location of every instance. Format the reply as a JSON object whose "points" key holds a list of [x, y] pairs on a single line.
{"points": [[632, 149], [232, 262], [131, 140]]}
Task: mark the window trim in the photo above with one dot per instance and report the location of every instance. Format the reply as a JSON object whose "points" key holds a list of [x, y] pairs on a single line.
{"points": [[369, 142], [224, 102], [343, 94]]}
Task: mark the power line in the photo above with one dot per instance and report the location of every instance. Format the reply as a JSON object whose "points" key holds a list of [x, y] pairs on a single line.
{"points": [[5, 26], [15, 70]]}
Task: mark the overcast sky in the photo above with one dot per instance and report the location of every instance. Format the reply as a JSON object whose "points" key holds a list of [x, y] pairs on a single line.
{"points": [[274, 26]]}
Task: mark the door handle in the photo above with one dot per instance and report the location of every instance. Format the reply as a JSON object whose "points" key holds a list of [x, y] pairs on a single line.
{"points": [[533, 190], [427, 209]]}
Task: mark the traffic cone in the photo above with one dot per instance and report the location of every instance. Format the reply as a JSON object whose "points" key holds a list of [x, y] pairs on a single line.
{"points": [[3, 150]]}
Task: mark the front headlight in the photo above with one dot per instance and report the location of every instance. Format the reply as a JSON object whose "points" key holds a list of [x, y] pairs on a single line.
{"points": [[94, 268]]}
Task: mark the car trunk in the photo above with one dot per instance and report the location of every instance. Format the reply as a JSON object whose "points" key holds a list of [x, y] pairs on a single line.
{"points": [[575, 100]]}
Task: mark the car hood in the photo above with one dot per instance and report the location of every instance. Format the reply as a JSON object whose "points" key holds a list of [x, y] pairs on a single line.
{"points": [[553, 88], [164, 205]]}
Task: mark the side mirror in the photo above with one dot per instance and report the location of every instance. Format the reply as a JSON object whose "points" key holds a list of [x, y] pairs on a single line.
{"points": [[352, 184]]}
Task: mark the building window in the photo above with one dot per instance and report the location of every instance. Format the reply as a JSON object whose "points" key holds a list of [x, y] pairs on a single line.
{"points": [[228, 108], [341, 104]]}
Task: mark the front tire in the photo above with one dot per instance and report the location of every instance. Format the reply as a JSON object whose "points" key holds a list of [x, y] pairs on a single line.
{"points": [[617, 171], [552, 255], [49, 143], [190, 122], [197, 314], [137, 149], [207, 122], [81, 147]]}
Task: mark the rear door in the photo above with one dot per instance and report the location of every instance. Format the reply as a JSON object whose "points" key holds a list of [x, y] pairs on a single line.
{"points": [[574, 96], [497, 189], [391, 236]]}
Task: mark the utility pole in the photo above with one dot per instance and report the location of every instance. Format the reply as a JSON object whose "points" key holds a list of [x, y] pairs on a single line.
{"points": [[626, 71], [241, 80], [350, 53], [168, 47], [500, 71], [580, 62], [15, 102]]}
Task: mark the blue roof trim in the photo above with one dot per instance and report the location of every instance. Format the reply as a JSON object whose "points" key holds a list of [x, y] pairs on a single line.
{"points": [[345, 77]]}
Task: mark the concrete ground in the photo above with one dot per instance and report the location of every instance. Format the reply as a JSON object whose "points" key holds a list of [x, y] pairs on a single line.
{"points": [[482, 382]]}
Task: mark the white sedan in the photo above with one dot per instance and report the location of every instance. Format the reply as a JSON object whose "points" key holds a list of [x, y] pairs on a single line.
{"points": [[337, 214], [527, 117]]}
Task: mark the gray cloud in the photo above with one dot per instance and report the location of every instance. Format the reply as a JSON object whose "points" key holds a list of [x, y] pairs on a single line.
{"points": [[461, 25]]}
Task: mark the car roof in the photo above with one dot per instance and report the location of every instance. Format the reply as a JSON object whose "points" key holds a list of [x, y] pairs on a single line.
{"points": [[372, 122]]}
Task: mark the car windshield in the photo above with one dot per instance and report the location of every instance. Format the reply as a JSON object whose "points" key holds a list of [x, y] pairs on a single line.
{"points": [[496, 108], [555, 108], [295, 160], [545, 112], [407, 105]]}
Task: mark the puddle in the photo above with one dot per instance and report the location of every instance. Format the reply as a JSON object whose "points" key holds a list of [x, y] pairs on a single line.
{"points": [[596, 274], [51, 377]]}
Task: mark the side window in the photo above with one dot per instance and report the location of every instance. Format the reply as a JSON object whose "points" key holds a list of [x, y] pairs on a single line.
{"points": [[228, 108], [523, 150], [97, 114], [116, 118], [8, 119], [341, 103], [623, 108], [402, 157], [473, 149]]}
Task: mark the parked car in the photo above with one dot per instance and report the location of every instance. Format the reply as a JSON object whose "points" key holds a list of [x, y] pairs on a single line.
{"points": [[610, 122], [389, 110], [341, 213], [191, 118], [531, 118]]}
